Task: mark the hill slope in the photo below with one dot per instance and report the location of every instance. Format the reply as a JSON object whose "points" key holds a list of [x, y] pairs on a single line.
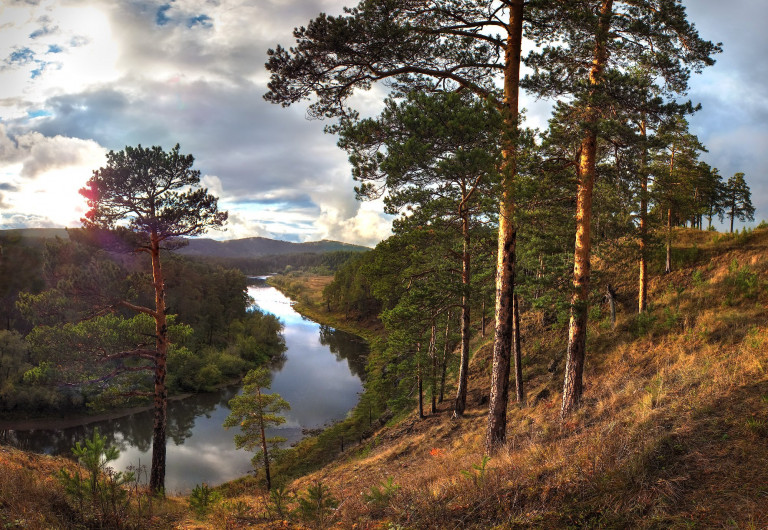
{"points": [[672, 432], [250, 247], [260, 246]]}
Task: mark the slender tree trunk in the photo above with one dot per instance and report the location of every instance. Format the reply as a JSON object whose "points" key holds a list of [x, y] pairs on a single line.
{"points": [[642, 297], [157, 470], [264, 452], [577, 329], [420, 381], [518, 353], [445, 358], [433, 379], [668, 265], [505, 261], [482, 321], [733, 214], [611, 293], [461, 393]]}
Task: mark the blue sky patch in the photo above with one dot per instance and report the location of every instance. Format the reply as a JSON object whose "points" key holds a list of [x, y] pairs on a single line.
{"points": [[39, 113], [55, 48], [21, 56], [201, 20], [161, 19]]}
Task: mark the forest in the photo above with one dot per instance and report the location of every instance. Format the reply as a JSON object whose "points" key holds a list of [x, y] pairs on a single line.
{"points": [[55, 292]]}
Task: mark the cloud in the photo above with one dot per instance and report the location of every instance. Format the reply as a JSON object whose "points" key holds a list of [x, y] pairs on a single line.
{"points": [[39, 154], [100, 75]]}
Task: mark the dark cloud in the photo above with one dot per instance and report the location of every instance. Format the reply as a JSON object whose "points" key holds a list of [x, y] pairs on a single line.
{"points": [[5, 186]]}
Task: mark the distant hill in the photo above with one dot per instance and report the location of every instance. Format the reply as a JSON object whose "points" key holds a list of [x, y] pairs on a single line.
{"points": [[253, 247], [35, 233]]}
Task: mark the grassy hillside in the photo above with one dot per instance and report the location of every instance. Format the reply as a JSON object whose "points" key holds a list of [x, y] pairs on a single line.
{"points": [[672, 433]]}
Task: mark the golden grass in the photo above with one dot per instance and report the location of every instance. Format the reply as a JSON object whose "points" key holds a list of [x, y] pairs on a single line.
{"points": [[672, 432]]}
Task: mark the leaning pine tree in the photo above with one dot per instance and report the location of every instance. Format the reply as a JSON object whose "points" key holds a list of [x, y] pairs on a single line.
{"points": [[254, 412], [151, 197]]}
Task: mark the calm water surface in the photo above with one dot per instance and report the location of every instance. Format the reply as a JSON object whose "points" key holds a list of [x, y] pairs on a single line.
{"points": [[320, 378]]}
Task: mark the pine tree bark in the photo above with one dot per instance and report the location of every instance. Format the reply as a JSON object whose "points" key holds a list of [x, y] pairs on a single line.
{"points": [[505, 262], [419, 381], [577, 329], [444, 367], [642, 297], [157, 470], [433, 379], [518, 354], [461, 393], [668, 264]]}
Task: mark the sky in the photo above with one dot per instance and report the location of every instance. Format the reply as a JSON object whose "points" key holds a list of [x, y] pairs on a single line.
{"points": [[81, 77]]}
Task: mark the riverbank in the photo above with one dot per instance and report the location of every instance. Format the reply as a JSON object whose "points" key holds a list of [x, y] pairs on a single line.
{"points": [[83, 418], [371, 411], [307, 293], [76, 420]]}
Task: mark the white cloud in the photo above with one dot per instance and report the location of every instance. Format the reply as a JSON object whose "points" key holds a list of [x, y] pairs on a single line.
{"points": [[41, 177]]}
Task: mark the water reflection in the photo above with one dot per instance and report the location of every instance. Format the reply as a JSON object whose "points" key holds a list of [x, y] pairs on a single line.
{"points": [[320, 377]]}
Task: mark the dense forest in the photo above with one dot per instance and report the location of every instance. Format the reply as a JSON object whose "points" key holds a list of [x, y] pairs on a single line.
{"points": [[58, 314]]}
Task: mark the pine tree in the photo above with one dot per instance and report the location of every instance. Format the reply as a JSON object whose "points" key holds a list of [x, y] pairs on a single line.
{"points": [[254, 412], [154, 197], [738, 199], [434, 159], [422, 45]]}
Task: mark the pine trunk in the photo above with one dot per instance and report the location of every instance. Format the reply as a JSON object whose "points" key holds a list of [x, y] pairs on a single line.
{"points": [[518, 354], [577, 329], [642, 297], [668, 265], [444, 368], [433, 379], [157, 470], [482, 321], [461, 393], [419, 381], [505, 261]]}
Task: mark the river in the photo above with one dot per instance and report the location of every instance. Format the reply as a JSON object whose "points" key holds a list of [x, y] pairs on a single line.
{"points": [[320, 377]]}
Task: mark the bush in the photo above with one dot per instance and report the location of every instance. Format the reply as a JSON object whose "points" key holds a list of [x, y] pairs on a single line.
{"points": [[203, 499], [317, 506], [100, 490]]}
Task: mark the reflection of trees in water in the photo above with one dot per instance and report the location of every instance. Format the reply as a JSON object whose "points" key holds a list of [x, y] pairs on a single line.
{"points": [[346, 346], [277, 362], [134, 430]]}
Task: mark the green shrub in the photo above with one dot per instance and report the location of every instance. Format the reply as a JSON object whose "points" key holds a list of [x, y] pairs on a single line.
{"points": [[277, 506], [742, 280], [202, 499], [100, 491], [643, 324], [317, 506], [478, 472], [378, 497]]}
